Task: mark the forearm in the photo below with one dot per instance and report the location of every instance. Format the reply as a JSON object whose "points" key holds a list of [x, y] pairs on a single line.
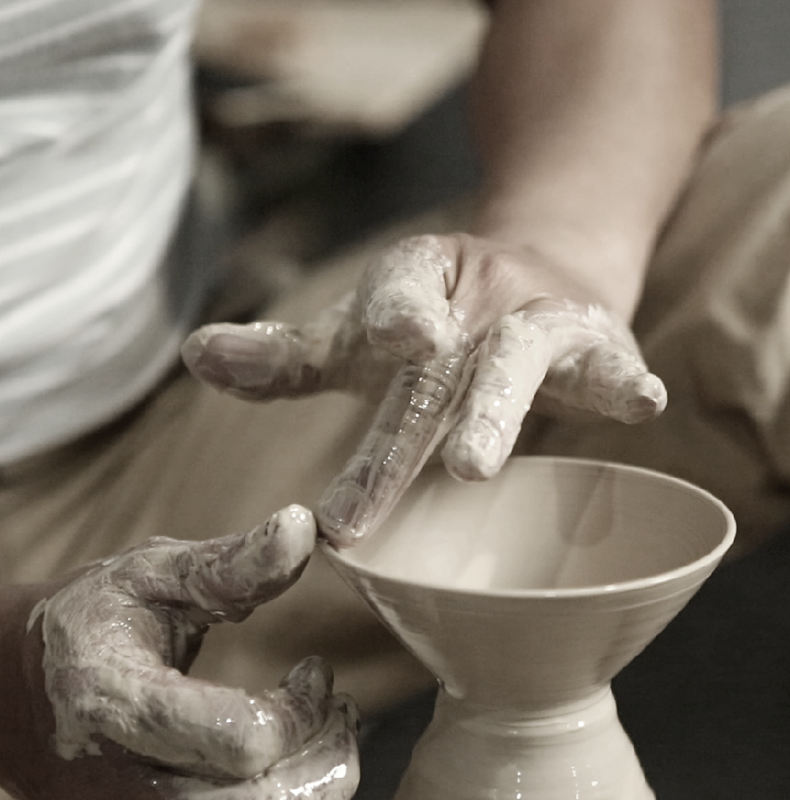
{"points": [[587, 116], [26, 719]]}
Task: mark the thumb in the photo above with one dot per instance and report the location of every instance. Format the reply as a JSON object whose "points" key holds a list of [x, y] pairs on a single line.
{"points": [[228, 576], [267, 360]]}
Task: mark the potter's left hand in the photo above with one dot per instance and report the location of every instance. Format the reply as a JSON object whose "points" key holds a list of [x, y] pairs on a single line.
{"points": [[106, 709], [476, 330]]}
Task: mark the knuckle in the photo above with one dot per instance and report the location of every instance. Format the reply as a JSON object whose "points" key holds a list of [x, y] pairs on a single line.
{"points": [[423, 242]]}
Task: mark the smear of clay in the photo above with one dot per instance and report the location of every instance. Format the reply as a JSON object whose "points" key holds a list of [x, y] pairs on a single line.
{"points": [[578, 354], [596, 363], [415, 415], [266, 360], [511, 364], [269, 360], [404, 297], [326, 766]]}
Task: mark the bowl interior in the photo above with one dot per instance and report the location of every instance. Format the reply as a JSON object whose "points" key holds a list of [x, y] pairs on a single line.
{"points": [[547, 524]]}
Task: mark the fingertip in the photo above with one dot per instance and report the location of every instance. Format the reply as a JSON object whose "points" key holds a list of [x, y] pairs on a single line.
{"points": [[474, 452], [646, 401], [258, 362], [295, 527], [226, 356], [298, 519], [511, 363], [192, 347], [340, 535], [342, 515], [654, 388], [199, 361]]}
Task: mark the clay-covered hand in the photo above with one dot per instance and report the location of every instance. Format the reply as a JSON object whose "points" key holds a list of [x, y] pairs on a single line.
{"points": [[117, 715], [477, 332]]}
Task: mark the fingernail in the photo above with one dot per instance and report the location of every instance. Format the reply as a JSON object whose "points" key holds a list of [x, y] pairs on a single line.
{"points": [[193, 353], [404, 335], [341, 514], [294, 529], [648, 401], [233, 346], [206, 363], [297, 519], [312, 677], [473, 452]]}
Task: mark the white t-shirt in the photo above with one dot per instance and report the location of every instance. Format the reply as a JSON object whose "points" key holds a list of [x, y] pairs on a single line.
{"points": [[96, 152]]}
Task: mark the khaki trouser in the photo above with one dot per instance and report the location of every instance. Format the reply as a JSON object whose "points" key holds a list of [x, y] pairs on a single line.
{"points": [[190, 463]]}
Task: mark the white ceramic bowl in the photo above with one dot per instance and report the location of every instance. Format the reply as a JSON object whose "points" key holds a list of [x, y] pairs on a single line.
{"points": [[527, 593]]}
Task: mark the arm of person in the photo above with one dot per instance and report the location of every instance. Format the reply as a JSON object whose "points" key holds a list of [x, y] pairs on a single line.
{"points": [[587, 117], [95, 696]]}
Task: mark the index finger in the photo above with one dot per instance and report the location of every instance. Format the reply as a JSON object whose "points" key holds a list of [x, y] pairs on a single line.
{"points": [[410, 422], [267, 360]]}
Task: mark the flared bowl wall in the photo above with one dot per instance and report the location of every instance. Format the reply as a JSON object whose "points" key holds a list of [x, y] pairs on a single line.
{"points": [[528, 590]]}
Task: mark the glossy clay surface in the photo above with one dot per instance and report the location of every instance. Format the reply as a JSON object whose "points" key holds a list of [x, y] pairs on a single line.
{"points": [[525, 595]]}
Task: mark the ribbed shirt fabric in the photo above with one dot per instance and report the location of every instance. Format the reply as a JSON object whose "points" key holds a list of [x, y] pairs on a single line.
{"points": [[96, 152]]}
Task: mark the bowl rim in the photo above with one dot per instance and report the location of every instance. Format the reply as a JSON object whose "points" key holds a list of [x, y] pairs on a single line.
{"points": [[700, 565]]}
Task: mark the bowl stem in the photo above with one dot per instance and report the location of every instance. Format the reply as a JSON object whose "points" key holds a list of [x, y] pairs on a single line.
{"points": [[576, 752]]}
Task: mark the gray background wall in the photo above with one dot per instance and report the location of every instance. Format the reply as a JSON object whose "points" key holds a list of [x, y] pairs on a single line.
{"points": [[755, 46]]}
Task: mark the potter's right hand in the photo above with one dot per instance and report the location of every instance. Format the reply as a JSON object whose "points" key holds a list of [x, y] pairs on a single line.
{"points": [[464, 332], [95, 685]]}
